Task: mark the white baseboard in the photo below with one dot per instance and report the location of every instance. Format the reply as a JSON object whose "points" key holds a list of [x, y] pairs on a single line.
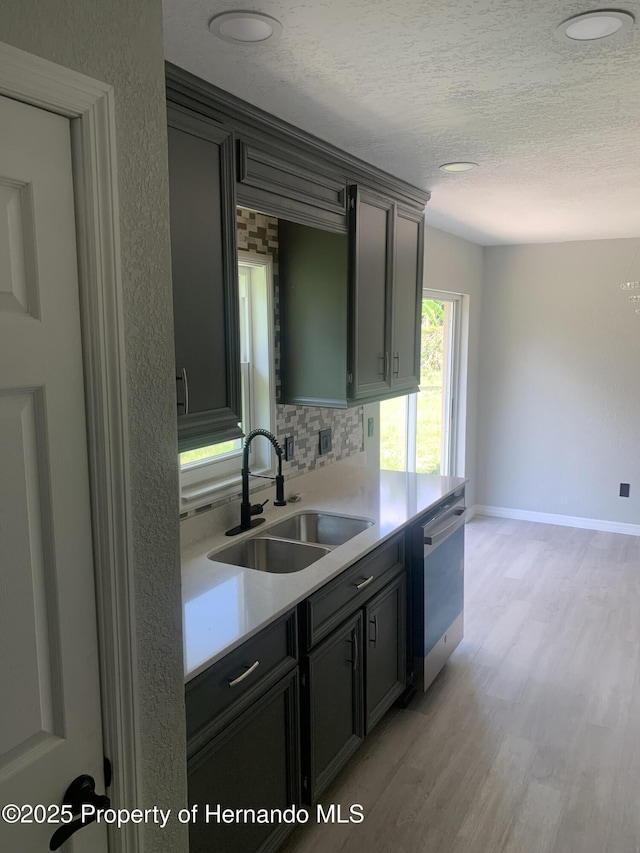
{"points": [[551, 518], [471, 511]]}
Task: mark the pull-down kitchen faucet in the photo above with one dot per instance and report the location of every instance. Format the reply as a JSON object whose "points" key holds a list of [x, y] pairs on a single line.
{"points": [[248, 509]]}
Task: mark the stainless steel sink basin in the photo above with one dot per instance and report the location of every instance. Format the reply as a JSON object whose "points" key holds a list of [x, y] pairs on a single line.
{"points": [[323, 528], [270, 555]]}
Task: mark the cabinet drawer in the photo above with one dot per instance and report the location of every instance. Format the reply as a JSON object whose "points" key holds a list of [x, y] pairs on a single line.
{"points": [[328, 607], [216, 695]]}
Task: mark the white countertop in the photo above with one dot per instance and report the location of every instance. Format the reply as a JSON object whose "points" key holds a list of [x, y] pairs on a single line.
{"points": [[225, 605]]}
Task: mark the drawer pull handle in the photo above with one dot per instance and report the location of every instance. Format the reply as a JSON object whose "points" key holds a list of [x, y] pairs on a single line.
{"points": [[364, 583], [354, 642], [245, 674], [374, 621]]}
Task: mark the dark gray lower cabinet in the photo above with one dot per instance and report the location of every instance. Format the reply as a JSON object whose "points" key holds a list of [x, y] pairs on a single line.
{"points": [[252, 763], [264, 732], [333, 705], [385, 649], [354, 630]]}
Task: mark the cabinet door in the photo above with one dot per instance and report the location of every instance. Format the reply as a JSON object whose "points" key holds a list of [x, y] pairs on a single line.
{"points": [[252, 764], [333, 705], [385, 649], [205, 280], [407, 300], [371, 242]]}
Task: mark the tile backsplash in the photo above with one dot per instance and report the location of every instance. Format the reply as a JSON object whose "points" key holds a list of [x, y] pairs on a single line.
{"points": [[258, 233]]}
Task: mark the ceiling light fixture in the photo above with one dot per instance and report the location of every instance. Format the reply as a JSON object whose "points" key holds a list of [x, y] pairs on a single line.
{"points": [[245, 27], [593, 26], [458, 167]]}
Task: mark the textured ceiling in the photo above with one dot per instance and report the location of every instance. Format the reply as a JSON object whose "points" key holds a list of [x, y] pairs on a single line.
{"points": [[410, 84]]}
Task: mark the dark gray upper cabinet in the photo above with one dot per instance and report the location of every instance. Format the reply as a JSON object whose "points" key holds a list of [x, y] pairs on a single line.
{"points": [[204, 274], [371, 257], [350, 305], [350, 252], [407, 299]]}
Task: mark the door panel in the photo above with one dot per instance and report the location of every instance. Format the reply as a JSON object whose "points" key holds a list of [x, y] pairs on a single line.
{"points": [[50, 725], [386, 676], [407, 300], [371, 255], [335, 700], [204, 279], [31, 711], [18, 284]]}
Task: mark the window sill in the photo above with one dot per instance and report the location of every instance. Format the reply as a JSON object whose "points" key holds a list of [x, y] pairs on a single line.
{"points": [[215, 491]]}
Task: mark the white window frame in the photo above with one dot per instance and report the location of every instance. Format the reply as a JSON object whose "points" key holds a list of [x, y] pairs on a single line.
{"points": [[212, 479], [449, 440]]}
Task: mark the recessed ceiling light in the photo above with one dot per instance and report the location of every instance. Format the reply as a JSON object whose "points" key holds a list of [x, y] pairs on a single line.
{"points": [[458, 167], [245, 27], [593, 26]]}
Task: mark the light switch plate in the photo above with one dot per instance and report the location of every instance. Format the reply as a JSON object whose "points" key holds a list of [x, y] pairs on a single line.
{"points": [[325, 441], [288, 448]]}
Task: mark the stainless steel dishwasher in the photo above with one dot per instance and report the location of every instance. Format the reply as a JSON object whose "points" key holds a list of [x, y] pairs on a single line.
{"points": [[437, 587]]}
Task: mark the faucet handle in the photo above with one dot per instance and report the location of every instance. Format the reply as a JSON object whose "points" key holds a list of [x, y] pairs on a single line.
{"points": [[257, 509]]}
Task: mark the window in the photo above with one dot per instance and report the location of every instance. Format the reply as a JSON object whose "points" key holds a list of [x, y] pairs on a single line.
{"points": [[417, 432], [212, 468]]}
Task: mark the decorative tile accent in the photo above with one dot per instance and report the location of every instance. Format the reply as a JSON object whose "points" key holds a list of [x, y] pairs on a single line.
{"points": [[305, 423]]}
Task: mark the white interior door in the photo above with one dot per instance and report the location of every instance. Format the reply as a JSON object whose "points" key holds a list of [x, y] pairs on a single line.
{"points": [[50, 723]]}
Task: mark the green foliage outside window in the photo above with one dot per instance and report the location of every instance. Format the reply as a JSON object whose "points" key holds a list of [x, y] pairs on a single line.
{"points": [[429, 405]]}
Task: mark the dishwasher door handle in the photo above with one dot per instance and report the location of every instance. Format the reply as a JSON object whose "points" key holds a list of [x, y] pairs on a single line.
{"points": [[436, 536]]}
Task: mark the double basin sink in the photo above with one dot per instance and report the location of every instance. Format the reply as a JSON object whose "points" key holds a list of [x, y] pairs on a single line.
{"points": [[292, 545]]}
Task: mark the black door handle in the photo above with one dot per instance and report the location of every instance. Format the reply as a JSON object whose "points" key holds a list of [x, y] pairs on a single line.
{"points": [[81, 792]]}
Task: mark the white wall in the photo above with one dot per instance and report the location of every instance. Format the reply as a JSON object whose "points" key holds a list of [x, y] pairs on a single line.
{"points": [[560, 380], [455, 265], [120, 42]]}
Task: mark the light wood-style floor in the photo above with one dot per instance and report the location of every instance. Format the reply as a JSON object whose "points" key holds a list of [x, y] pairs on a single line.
{"points": [[529, 740]]}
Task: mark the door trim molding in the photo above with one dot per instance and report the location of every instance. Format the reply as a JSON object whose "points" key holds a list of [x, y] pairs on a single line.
{"points": [[91, 107]]}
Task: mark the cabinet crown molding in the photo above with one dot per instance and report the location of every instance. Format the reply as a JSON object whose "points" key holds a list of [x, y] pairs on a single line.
{"points": [[253, 123]]}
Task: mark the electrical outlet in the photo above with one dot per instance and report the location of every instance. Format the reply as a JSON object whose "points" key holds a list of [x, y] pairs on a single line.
{"points": [[288, 448], [325, 441], [624, 490]]}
